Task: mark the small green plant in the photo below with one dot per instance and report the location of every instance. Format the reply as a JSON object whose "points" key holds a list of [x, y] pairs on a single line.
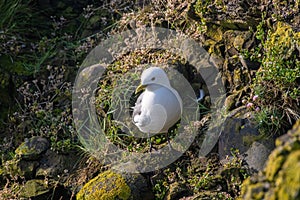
{"points": [[64, 145], [201, 180], [204, 180], [269, 120], [261, 28], [256, 53], [234, 172], [160, 189], [277, 81], [44, 111]]}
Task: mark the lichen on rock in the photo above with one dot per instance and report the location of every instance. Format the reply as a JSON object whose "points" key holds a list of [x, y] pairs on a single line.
{"points": [[105, 186], [32, 148], [280, 178]]}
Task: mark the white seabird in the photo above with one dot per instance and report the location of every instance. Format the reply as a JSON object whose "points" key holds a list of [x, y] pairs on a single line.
{"points": [[159, 107]]}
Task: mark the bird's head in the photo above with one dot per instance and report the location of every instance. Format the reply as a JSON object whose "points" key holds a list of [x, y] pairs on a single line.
{"points": [[153, 75]]}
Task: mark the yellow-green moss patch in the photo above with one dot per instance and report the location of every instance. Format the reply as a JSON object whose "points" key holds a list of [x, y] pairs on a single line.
{"points": [[106, 186], [273, 166], [288, 185]]}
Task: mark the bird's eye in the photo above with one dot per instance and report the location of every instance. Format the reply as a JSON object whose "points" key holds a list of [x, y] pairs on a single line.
{"points": [[153, 78]]}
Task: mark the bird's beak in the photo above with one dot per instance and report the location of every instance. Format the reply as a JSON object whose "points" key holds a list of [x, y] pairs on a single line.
{"points": [[140, 88]]}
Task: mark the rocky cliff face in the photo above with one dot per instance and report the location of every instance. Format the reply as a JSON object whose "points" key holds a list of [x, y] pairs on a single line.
{"points": [[280, 178], [255, 46]]}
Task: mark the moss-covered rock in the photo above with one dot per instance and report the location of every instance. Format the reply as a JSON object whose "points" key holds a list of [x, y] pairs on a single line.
{"points": [[114, 185], [54, 164], [19, 168], [239, 133], [32, 148], [41, 189], [34, 188], [280, 178], [288, 178], [107, 185]]}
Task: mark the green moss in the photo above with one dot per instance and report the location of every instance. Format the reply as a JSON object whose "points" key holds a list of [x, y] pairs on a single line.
{"points": [[279, 64], [252, 191], [249, 139], [107, 185], [276, 80], [273, 166], [288, 185], [34, 188], [278, 158], [280, 179], [234, 24], [214, 32], [279, 47], [32, 148], [25, 150], [11, 168]]}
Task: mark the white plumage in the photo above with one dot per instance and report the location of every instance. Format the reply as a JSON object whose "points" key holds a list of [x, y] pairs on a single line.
{"points": [[159, 107]]}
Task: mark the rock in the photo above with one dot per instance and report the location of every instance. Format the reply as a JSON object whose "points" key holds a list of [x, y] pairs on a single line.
{"points": [[49, 164], [34, 188], [239, 133], [138, 186], [38, 189], [234, 14], [53, 164], [257, 155], [106, 185], [112, 185], [230, 101], [27, 168], [19, 168], [206, 195], [287, 183], [32, 148], [280, 178], [215, 33]]}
